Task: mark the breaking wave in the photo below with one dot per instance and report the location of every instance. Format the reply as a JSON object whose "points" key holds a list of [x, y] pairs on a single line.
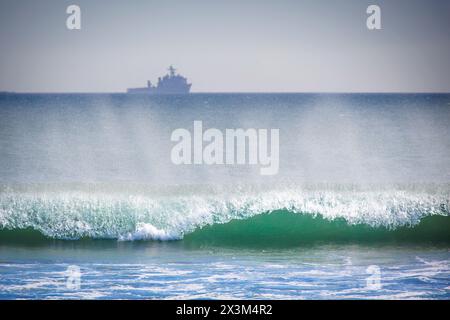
{"points": [[203, 214]]}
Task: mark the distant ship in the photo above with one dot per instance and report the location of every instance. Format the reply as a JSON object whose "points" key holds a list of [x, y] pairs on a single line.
{"points": [[171, 83]]}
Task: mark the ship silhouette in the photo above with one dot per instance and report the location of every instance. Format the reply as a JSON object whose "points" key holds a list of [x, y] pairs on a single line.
{"points": [[171, 83]]}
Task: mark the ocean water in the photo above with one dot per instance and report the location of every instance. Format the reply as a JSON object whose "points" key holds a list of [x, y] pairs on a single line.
{"points": [[92, 207]]}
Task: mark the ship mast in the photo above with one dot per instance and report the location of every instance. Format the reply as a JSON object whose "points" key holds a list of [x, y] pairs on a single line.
{"points": [[172, 71]]}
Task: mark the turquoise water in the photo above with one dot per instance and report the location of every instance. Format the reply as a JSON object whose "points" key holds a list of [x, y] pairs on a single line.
{"points": [[359, 208]]}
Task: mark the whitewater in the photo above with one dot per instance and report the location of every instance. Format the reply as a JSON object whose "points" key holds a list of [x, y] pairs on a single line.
{"points": [[148, 213]]}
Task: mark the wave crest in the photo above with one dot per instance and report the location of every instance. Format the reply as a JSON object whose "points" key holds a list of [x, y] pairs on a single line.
{"points": [[170, 214]]}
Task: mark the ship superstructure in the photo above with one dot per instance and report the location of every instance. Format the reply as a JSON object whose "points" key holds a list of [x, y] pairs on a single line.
{"points": [[171, 83]]}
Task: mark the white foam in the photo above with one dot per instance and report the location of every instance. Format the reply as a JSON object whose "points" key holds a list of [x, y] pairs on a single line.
{"points": [[169, 215], [145, 231]]}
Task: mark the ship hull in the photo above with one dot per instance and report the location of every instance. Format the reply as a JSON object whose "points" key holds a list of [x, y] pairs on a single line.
{"points": [[154, 91]]}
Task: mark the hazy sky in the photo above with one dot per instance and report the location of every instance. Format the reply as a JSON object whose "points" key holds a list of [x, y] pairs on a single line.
{"points": [[228, 45]]}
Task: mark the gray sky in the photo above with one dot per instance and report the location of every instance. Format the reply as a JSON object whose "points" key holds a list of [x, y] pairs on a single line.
{"points": [[244, 45]]}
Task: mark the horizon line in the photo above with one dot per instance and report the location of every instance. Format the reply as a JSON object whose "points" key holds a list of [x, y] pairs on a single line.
{"points": [[225, 92]]}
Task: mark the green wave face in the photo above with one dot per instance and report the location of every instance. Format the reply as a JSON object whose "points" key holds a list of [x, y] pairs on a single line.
{"points": [[283, 229], [279, 229]]}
